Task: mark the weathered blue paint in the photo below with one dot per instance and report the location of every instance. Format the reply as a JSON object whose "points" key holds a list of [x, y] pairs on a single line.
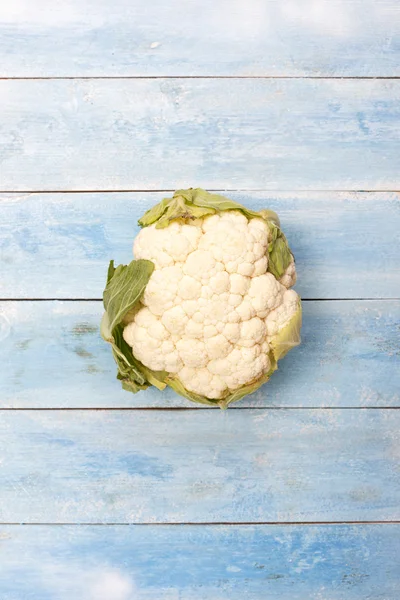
{"points": [[125, 134], [333, 562], [53, 357], [199, 466], [347, 245], [200, 37]]}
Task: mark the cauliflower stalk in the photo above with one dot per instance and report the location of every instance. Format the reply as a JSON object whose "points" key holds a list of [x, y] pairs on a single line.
{"points": [[206, 307]]}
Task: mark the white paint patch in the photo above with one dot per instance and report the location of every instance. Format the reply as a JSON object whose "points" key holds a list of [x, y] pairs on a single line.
{"points": [[238, 20], [48, 12], [332, 18], [70, 580], [5, 327], [233, 569], [306, 565], [112, 585]]}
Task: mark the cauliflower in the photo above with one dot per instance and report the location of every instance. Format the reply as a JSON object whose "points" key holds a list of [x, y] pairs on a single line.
{"points": [[205, 307]]}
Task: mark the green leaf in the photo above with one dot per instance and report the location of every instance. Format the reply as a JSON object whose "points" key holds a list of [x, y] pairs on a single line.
{"points": [[179, 209], [125, 287], [199, 212], [131, 386], [197, 203], [156, 378], [176, 209], [280, 256], [219, 203], [270, 216], [288, 337], [273, 234], [153, 214], [111, 271], [122, 353]]}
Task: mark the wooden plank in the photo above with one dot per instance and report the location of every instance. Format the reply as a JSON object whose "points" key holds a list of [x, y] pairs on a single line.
{"points": [[129, 134], [199, 466], [347, 245], [129, 37], [53, 357], [337, 562]]}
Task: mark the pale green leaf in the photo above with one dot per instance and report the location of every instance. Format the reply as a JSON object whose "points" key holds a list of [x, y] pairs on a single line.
{"points": [[270, 216], [111, 271], [197, 203], [219, 203], [288, 337], [154, 213], [280, 256]]}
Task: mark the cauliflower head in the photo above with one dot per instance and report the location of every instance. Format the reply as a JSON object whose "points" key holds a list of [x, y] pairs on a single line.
{"points": [[206, 306]]}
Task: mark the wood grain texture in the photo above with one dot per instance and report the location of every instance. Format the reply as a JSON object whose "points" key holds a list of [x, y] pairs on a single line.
{"points": [[53, 357], [347, 245], [199, 466], [337, 562], [130, 37], [182, 128], [126, 134]]}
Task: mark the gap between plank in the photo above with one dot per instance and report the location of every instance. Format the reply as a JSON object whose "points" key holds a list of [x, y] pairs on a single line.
{"points": [[206, 523], [186, 408], [171, 190], [390, 299], [133, 77]]}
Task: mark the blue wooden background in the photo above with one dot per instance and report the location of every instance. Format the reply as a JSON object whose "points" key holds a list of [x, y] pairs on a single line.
{"points": [[105, 107]]}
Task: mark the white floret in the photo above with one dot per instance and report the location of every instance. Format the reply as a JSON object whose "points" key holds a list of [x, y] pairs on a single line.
{"points": [[166, 246], [252, 332], [174, 320], [266, 293], [210, 308], [192, 352], [241, 366], [203, 382], [189, 288], [278, 318], [289, 277], [239, 284], [162, 289], [217, 346], [151, 344], [231, 241]]}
